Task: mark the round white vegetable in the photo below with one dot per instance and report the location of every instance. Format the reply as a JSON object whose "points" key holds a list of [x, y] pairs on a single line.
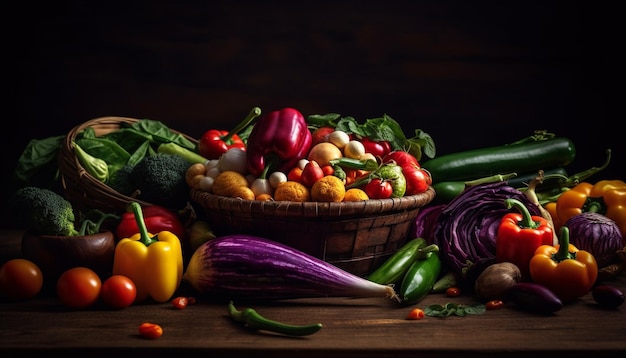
{"points": [[339, 138], [276, 178], [354, 149], [235, 160]]}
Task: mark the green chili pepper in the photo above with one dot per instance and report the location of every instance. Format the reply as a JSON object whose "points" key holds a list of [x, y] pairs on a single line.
{"points": [[397, 264], [352, 163], [254, 320], [421, 276]]}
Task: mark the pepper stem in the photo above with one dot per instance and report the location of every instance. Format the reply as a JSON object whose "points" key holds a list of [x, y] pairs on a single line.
{"points": [[527, 221], [490, 179], [425, 252], [141, 224], [563, 252], [255, 112]]}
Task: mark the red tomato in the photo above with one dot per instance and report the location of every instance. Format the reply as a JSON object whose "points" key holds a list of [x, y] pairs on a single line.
{"points": [[378, 149], [417, 180], [295, 174], [150, 330], [79, 287], [20, 279], [321, 135], [378, 189], [401, 158], [118, 291]]}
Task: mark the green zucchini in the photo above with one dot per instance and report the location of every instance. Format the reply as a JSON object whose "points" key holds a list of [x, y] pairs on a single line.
{"points": [[519, 158]]}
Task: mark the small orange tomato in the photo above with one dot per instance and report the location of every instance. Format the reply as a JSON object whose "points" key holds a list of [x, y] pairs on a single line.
{"points": [[494, 305], [150, 330], [453, 292], [416, 314], [180, 303]]}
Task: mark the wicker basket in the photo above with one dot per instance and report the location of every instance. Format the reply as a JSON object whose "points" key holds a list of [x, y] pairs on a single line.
{"points": [[355, 236], [81, 188]]}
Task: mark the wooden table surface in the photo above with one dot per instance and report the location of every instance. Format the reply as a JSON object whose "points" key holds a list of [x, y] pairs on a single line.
{"points": [[372, 327]]}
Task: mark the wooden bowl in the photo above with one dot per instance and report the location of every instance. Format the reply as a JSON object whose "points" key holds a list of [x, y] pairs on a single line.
{"points": [[56, 254]]}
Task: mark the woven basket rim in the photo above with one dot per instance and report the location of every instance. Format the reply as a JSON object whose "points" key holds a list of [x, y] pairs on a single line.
{"points": [[311, 209], [75, 177]]}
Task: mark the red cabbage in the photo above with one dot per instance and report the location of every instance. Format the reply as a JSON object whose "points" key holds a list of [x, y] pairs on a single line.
{"points": [[465, 229], [596, 234]]}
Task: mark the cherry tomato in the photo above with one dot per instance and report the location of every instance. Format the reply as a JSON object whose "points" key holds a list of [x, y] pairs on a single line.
{"points": [[494, 304], [295, 174], [417, 179], [401, 158], [378, 149], [453, 292], [180, 302], [150, 330], [79, 287], [416, 314], [378, 189], [20, 279], [118, 291]]}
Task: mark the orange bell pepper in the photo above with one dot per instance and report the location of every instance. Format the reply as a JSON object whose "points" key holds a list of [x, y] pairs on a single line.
{"points": [[564, 269], [606, 197]]}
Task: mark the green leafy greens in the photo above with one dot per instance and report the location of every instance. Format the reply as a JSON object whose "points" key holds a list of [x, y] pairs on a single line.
{"points": [[383, 128], [453, 309]]}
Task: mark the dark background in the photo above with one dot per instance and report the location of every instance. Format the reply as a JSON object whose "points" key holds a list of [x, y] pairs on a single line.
{"points": [[471, 74]]}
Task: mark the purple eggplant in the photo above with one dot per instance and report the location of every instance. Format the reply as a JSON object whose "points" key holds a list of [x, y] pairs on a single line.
{"points": [[251, 267], [534, 297]]}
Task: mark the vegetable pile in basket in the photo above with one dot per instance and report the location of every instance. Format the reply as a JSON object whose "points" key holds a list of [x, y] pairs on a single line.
{"points": [[322, 158]]}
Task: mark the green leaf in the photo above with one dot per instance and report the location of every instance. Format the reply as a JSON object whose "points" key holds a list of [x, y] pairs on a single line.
{"points": [[38, 155], [477, 309], [325, 120]]}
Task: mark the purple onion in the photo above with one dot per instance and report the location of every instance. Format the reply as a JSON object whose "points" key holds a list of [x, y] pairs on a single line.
{"points": [[596, 234]]}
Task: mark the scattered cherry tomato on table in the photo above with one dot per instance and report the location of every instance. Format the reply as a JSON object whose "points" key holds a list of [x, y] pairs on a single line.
{"points": [[453, 292], [79, 287], [150, 330], [416, 314], [180, 302], [20, 279], [118, 291], [494, 304]]}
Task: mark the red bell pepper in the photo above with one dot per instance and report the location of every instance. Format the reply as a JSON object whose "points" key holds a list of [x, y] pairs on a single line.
{"points": [[157, 219], [278, 140], [519, 235], [215, 142]]}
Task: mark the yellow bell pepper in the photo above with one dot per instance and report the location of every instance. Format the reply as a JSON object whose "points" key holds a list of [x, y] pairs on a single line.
{"points": [[606, 197], [153, 262], [564, 269]]}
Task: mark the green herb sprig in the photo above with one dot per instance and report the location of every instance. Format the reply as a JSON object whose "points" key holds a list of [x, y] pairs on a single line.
{"points": [[453, 309]]}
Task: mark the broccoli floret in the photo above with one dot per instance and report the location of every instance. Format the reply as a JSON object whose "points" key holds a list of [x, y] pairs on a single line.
{"points": [[160, 178], [43, 211], [121, 181]]}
